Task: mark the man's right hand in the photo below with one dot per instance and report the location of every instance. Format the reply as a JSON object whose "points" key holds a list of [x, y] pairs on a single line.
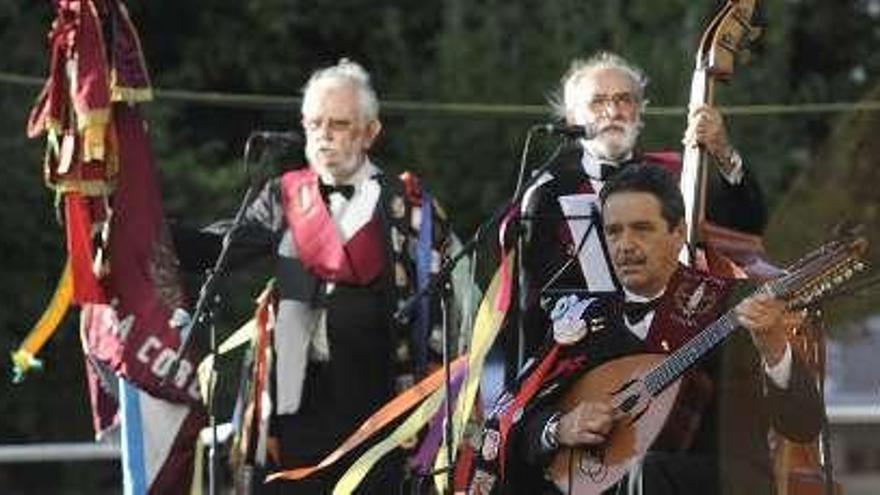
{"points": [[587, 424]]}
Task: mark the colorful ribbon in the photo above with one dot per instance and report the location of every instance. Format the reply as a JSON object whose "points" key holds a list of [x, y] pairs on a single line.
{"points": [[422, 462], [486, 327], [408, 429], [424, 248], [24, 358], [381, 418]]}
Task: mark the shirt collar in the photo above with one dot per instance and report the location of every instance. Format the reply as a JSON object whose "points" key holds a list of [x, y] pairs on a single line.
{"points": [[593, 165], [631, 296]]}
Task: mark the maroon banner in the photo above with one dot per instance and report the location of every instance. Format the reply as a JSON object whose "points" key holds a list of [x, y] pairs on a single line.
{"points": [[132, 333]]}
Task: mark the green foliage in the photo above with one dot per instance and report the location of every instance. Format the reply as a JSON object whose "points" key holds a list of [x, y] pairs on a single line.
{"points": [[840, 187]]}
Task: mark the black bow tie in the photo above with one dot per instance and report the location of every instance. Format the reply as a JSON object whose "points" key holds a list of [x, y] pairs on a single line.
{"points": [[346, 190], [636, 311], [607, 170]]}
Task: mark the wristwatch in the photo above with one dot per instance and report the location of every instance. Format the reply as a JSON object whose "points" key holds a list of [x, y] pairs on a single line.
{"points": [[730, 161], [550, 435], [734, 160]]}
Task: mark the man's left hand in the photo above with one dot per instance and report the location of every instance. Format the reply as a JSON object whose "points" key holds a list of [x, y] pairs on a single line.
{"points": [[706, 128], [769, 322]]}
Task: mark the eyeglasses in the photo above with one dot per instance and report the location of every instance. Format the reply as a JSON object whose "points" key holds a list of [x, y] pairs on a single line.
{"points": [[600, 102], [335, 125]]}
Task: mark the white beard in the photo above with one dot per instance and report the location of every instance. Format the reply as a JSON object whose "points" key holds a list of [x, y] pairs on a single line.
{"points": [[339, 173], [615, 146]]}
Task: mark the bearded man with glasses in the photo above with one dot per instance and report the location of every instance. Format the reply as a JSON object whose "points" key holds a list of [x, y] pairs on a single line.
{"points": [[562, 246]]}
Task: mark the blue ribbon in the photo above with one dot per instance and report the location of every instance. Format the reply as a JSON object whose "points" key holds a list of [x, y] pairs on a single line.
{"points": [[424, 247]]}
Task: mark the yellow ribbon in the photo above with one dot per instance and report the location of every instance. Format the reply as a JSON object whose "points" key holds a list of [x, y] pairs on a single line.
{"points": [[356, 473], [486, 328], [197, 487], [24, 358]]}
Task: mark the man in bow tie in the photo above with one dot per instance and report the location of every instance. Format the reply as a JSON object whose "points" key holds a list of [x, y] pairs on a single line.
{"points": [[350, 242], [752, 381], [562, 246]]}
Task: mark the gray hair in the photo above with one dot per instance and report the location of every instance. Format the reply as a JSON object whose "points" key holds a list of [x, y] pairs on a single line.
{"points": [[563, 99], [347, 72]]}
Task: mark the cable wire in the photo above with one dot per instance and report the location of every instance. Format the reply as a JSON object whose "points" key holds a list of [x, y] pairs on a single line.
{"points": [[485, 110]]}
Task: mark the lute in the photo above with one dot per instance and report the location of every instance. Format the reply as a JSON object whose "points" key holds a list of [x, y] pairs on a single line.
{"points": [[644, 387]]}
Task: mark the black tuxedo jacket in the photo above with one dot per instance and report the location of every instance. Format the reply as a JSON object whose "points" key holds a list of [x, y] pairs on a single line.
{"points": [[547, 267]]}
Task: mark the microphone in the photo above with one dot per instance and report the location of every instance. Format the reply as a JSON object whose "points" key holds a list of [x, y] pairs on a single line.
{"points": [[270, 144], [565, 130], [288, 136]]}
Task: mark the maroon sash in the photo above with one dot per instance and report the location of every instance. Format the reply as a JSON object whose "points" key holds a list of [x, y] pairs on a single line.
{"points": [[319, 244]]}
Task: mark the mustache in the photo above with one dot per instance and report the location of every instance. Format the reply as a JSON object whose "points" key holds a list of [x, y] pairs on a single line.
{"points": [[629, 260], [617, 123]]}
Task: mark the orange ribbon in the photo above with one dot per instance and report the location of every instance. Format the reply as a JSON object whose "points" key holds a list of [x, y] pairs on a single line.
{"points": [[381, 418]]}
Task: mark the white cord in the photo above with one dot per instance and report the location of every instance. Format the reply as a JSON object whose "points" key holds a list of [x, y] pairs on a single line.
{"points": [[635, 482]]}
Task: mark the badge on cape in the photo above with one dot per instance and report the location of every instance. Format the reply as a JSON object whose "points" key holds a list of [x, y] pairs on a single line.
{"points": [[491, 442], [693, 301], [568, 325]]}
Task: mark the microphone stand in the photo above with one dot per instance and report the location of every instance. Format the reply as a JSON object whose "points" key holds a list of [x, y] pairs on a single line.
{"points": [[203, 313], [442, 277]]}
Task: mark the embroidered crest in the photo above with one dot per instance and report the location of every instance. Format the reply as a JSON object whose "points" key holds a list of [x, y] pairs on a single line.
{"points": [[491, 441], [692, 302]]}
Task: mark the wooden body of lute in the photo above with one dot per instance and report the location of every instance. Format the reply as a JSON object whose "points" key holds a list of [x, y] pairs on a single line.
{"points": [[591, 471]]}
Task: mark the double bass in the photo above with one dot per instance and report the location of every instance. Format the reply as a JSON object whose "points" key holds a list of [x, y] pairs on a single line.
{"points": [[726, 37], [800, 469]]}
